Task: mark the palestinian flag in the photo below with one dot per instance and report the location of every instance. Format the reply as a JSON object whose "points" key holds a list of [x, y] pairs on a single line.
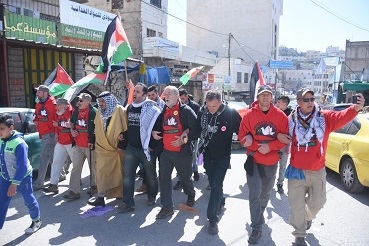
{"points": [[190, 74], [58, 81], [116, 47], [257, 80]]}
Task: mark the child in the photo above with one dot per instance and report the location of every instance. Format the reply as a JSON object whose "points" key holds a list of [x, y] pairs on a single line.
{"points": [[16, 173]]}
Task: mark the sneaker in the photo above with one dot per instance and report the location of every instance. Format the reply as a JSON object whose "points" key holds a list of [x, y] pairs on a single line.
{"points": [[196, 176], [280, 189], [177, 186], [300, 241], [164, 213], [33, 227], [72, 196], [141, 189], [213, 228], [308, 224], [125, 208], [51, 189], [151, 201], [99, 201], [254, 237], [190, 201], [93, 189]]}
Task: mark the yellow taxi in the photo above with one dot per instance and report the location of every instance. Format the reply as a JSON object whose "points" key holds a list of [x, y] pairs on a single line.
{"points": [[348, 153]]}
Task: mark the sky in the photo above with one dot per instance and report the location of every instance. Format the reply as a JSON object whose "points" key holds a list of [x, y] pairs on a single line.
{"points": [[303, 25]]}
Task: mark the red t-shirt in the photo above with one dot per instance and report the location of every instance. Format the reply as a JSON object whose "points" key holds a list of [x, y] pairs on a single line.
{"points": [[82, 127], [172, 128], [62, 130]]}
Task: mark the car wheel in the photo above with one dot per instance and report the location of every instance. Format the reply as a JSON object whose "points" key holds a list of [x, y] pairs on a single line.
{"points": [[349, 176]]}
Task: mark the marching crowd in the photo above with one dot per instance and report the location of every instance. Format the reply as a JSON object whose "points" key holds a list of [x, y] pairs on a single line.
{"points": [[116, 140]]}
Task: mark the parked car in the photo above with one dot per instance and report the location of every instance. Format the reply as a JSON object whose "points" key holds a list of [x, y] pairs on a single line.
{"points": [[337, 107], [23, 122], [347, 153], [241, 108]]}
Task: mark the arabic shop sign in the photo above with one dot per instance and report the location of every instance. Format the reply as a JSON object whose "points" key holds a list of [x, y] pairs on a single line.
{"points": [[28, 28], [80, 37], [75, 14]]}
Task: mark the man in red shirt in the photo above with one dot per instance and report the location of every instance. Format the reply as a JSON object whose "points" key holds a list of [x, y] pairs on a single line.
{"points": [[177, 125], [45, 114], [63, 147], [309, 129], [258, 132], [83, 131]]}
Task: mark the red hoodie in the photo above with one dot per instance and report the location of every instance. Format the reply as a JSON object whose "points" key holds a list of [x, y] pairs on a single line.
{"points": [[45, 113], [63, 132], [264, 128], [312, 158]]}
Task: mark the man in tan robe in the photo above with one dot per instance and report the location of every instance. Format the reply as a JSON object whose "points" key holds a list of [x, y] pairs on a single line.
{"points": [[110, 121]]}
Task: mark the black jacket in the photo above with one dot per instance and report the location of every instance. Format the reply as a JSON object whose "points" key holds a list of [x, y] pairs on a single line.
{"points": [[188, 120]]}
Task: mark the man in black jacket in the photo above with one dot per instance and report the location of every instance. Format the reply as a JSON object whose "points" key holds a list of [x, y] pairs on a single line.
{"points": [[175, 127], [217, 122]]}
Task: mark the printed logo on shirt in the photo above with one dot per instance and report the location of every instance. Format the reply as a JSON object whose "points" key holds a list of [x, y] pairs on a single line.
{"points": [[171, 121], [9, 149], [265, 129], [43, 112], [63, 123], [133, 119], [81, 122]]}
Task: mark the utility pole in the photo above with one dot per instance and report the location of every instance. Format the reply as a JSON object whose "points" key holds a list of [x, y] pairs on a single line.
{"points": [[229, 54]]}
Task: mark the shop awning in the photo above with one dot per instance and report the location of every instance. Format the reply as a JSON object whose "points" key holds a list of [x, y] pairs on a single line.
{"points": [[355, 85]]}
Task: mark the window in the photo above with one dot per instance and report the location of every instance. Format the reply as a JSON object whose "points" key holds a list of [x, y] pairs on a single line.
{"points": [[156, 3], [246, 78], [239, 77], [150, 33], [160, 34]]}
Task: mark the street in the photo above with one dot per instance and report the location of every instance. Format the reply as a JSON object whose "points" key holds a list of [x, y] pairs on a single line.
{"points": [[343, 220]]}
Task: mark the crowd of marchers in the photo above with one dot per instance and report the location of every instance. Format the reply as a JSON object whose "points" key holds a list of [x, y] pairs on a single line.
{"points": [[173, 132]]}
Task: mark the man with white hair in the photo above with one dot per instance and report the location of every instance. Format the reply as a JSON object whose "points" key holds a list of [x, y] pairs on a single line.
{"points": [[110, 121], [63, 147], [176, 126]]}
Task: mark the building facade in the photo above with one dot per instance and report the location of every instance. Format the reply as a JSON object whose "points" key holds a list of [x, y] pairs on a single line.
{"points": [[356, 60]]}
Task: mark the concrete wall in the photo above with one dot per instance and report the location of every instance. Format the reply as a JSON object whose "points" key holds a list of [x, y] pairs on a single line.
{"points": [[356, 59]]}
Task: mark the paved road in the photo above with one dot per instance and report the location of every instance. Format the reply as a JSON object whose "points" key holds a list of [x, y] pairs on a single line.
{"points": [[343, 221]]}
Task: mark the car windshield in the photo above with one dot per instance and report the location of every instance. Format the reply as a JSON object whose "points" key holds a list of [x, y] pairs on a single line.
{"points": [[237, 105]]}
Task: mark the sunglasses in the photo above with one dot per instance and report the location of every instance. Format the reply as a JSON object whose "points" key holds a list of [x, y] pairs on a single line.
{"points": [[305, 100]]}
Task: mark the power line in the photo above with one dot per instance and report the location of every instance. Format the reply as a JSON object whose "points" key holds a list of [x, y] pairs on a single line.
{"points": [[348, 22]]}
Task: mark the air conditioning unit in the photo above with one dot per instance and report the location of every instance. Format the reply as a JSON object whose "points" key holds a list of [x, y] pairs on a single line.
{"points": [[30, 13]]}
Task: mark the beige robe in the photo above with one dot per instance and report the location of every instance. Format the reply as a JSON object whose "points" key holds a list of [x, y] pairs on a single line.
{"points": [[108, 161]]}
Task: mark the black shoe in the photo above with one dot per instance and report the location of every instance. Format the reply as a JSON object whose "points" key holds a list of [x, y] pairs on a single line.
{"points": [[213, 228], [51, 189], [280, 189], [254, 237], [177, 186], [196, 176], [308, 224], [164, 213], [190, 201], [151, 201], [300, 241], [100, 201], [125, 208]]}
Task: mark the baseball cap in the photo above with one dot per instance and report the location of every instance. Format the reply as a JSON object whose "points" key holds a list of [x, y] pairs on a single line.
{"points": [[85, 96], [301, 93], [61, 101], [43, 88], [264, 88]]}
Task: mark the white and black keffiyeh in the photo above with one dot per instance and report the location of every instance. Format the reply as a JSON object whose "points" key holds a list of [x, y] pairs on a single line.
{"points": [[111, 104], [304, 126]]}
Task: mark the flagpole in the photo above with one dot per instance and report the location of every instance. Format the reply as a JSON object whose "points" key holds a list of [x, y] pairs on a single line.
{"points": [[125, 69]]}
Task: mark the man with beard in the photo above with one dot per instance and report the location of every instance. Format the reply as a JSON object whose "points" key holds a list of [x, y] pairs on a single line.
{"points": [[141, 115], [176, 124], [45, 115], [63, 147], [217, 123], [110, 122], [258, 132], [83, 133]]}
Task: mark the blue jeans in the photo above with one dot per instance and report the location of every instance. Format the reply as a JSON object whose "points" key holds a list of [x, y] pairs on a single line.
{"points": [[132, 158], [216, 171], [25, 189]]}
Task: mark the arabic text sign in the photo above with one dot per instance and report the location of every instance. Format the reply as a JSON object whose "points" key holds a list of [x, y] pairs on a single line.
{"points": [[80, 37], [28, 28], [281, 64], [75, 14]]}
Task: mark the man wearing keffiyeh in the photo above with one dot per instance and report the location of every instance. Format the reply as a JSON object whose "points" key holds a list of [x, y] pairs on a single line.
{"points": [[110, 122], [309, 129]]}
